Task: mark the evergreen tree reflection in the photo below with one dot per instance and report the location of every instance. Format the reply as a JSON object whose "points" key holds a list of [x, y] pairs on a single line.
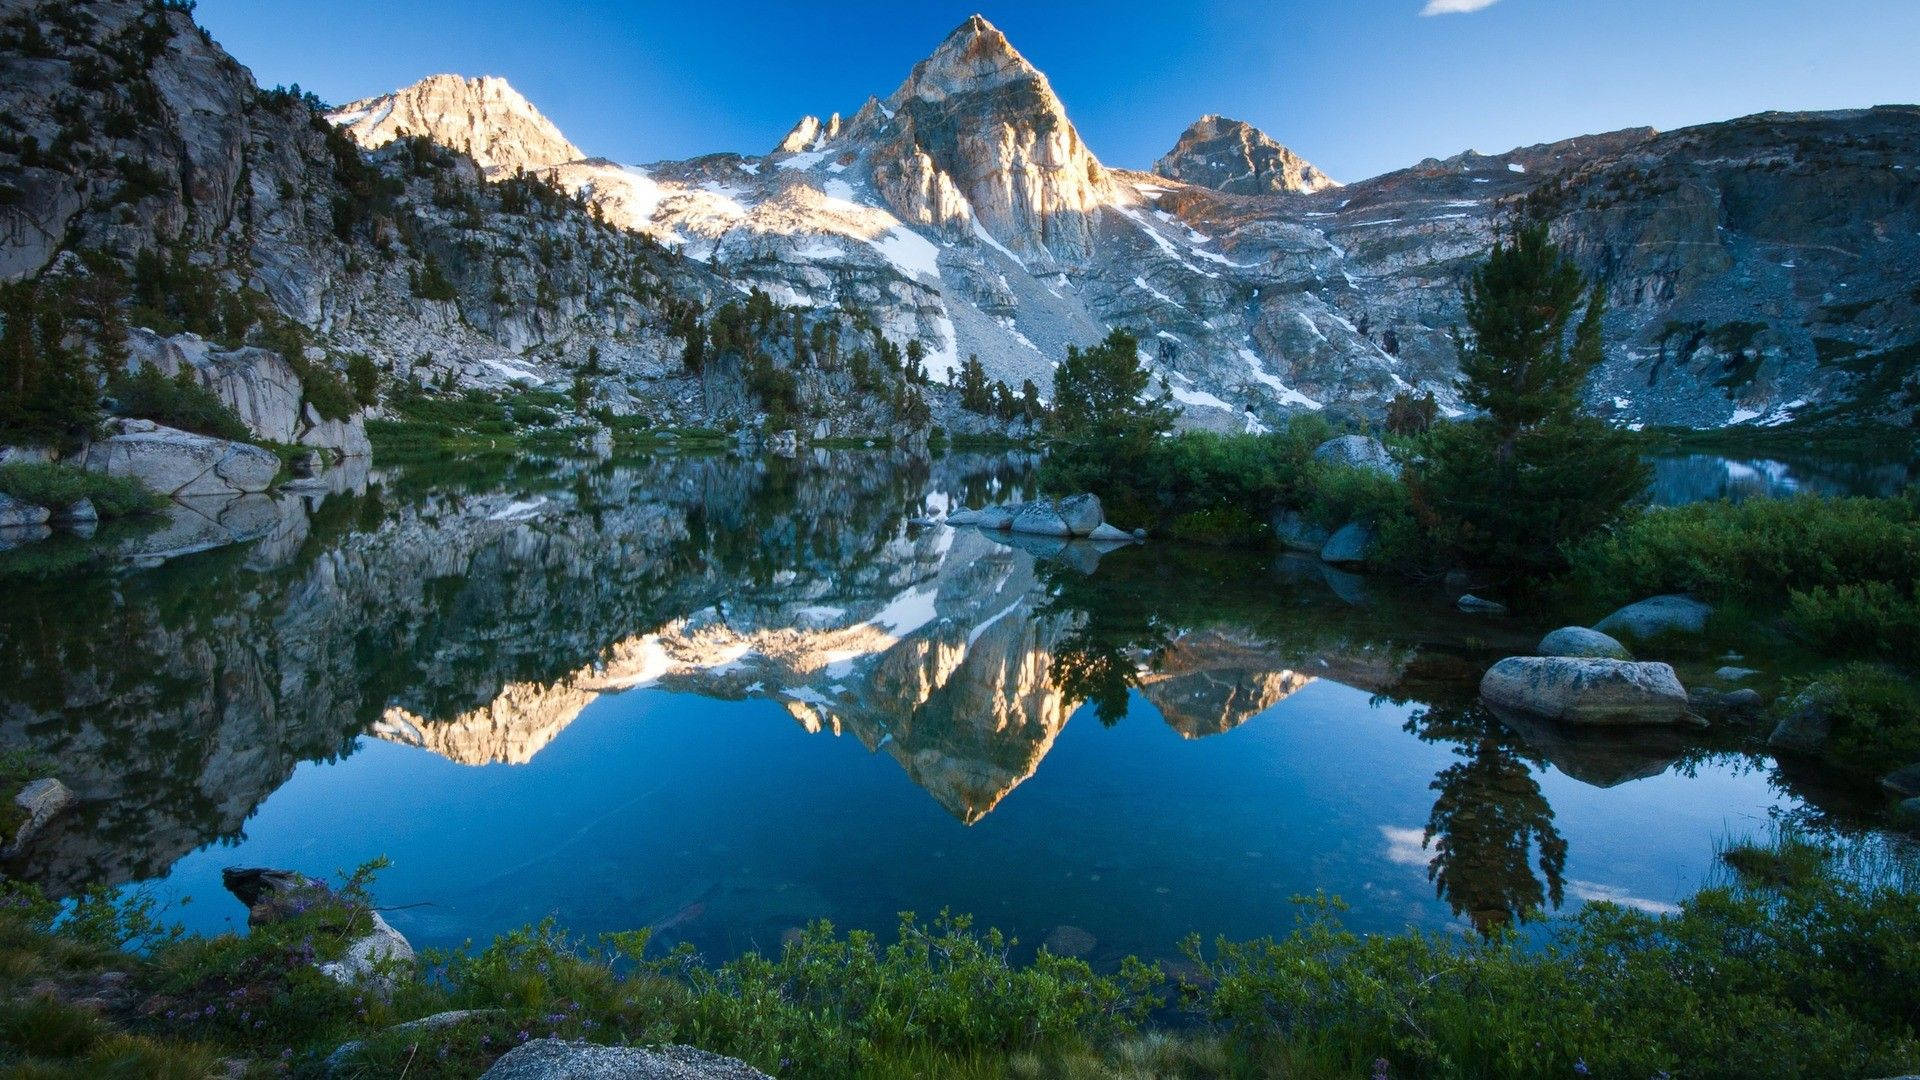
{"points": [[1490, 823]]}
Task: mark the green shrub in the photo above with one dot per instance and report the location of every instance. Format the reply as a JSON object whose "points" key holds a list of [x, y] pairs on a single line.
{"points": [[1760, 548], [1872, 618], [55, 485], [179, 402], [1875, 714]]}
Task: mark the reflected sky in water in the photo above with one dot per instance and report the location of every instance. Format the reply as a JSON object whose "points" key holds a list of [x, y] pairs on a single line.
{"points": [[723, 698]]}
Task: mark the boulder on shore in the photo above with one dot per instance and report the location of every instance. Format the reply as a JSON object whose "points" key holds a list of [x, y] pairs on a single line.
{"points": [[1040, 519], [1903, 783], [1657, 617], [272, 895], [1580, 641], [1587, 690], [15, 513], [1357, 452], [1082, 513], [560, 1059], [180, 464], [1808, 723]]}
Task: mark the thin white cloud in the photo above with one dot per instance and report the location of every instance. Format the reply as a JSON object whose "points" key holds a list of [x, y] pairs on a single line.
{"points": [[1455, 7]]}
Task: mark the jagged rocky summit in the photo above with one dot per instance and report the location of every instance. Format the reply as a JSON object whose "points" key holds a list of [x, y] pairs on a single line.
{"points": [[1235, 157]]}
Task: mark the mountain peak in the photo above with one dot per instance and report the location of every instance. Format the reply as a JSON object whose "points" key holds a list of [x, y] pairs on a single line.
{"points": [[975, 56], [1235, 157], [484, 118]]}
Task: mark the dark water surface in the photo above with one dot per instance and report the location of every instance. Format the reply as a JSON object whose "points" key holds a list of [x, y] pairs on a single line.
{"points": [[724, 697]]}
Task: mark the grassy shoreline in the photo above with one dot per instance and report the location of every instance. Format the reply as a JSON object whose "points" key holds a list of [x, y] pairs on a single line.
{"points": [[1797, 962]]}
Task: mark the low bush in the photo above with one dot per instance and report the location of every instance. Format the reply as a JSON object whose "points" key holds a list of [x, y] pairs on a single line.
{"points": [[1801, 964], [55, 485], [1875, 713], [1760, 549], [179, 402]]}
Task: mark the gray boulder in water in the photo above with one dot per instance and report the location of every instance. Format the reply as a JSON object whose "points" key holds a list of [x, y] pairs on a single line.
{"points": [[1082, 513], [1294, 531], [1587, 690], [1351, 544], [1357, 452], [558, 1059], [1040, 519], [1656, 617], [1580, 641]]}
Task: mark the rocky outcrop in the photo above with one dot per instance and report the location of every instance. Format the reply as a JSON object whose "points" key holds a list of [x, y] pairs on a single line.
{"points": [[1239, 159], [1362, 452], [558, 1059], [179, 464], [261, 388], [1585, 691], [483, 118]]}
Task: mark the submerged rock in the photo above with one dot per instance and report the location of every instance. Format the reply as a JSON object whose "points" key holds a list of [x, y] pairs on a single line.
{"points": [[559, 1059], [1476, 606], [1069, 941], [1580, 641], [1588, 691], [1656, 617]]}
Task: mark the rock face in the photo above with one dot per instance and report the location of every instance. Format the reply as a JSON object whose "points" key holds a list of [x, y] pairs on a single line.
{"points": [[483, 118], [1357, 452], [1580, 641], [1586, 691], [558, 1059], [179, 464], [1239, 159], [1657, 617], [259, 386], [976, 135]]}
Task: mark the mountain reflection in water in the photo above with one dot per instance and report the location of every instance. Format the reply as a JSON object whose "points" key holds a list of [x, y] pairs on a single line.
{"points": [[479, 612]]}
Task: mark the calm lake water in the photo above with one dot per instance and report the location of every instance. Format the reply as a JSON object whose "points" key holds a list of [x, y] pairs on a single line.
{"points": [[726, 697]]}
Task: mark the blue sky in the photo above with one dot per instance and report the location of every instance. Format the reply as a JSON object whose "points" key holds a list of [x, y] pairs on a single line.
{"points": [[1358, 87]]}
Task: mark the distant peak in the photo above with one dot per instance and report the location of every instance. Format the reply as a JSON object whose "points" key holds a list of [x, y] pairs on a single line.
{"points": [[1233, 156], [484, 118]]}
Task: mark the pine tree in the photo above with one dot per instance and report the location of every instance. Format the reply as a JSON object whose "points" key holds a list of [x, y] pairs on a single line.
{"points": [[48, 393], [1104, 419], [1512, 488]]}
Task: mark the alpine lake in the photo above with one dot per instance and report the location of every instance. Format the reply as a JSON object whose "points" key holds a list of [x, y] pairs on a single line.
{"points": [[725, 696]]}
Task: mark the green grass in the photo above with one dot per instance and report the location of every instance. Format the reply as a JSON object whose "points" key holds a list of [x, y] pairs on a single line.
{"points": [[55, 485]]}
